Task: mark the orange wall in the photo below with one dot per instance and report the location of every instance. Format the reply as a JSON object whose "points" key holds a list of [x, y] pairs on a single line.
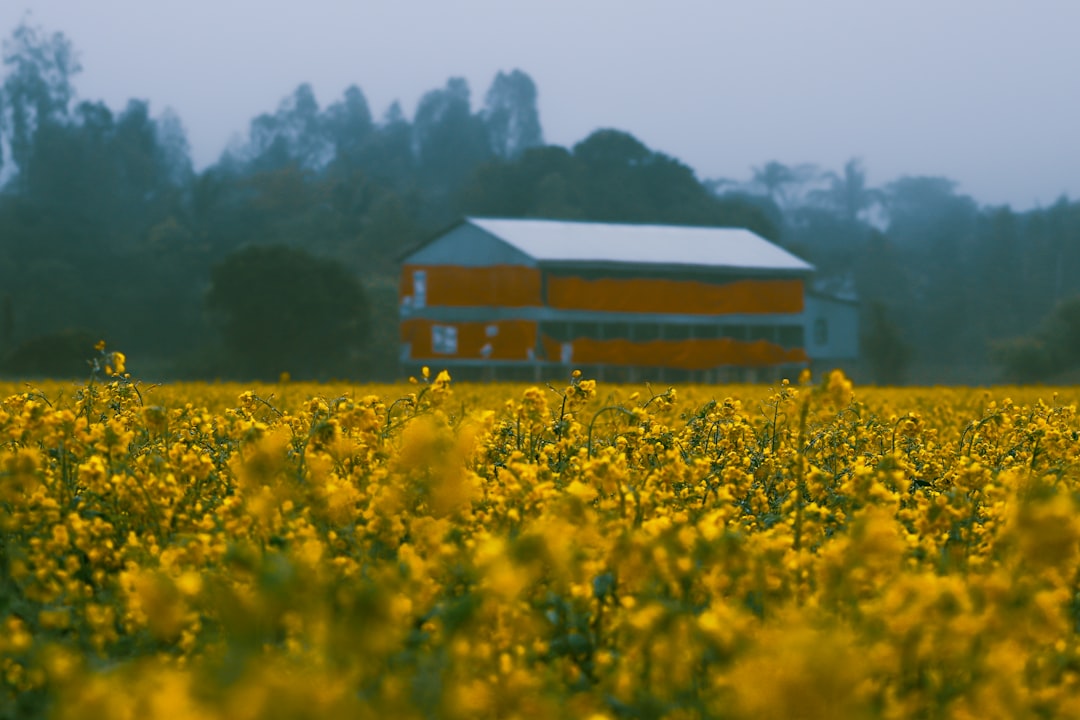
{"points": [[695, 354], [675, 296], [513, 341], [493, 285], [516, 338], [518, 286]]}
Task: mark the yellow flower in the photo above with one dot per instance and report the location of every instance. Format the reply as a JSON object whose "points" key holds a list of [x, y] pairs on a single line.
{"points": [[115, 363], [839, 388]]}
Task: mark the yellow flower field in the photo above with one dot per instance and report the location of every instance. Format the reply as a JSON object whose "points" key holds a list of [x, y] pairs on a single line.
{"points": [[573, 550]]}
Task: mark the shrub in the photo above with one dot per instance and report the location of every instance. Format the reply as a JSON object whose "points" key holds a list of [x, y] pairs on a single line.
{"points": [[60, 355], [280, 309]]}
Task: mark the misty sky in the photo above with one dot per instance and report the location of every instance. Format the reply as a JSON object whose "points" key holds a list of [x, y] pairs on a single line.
{"points": [[985, 93]]}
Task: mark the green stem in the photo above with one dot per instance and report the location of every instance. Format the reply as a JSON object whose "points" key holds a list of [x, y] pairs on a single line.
{"points": [[601, 411]]}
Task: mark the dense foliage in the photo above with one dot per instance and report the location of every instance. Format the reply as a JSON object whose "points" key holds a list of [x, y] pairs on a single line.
{"points": [[107, 229], [570, 551], [281, 309]]}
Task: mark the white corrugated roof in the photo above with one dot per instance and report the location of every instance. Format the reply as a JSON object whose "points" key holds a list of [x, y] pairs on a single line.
{"points": [[564, 241]]}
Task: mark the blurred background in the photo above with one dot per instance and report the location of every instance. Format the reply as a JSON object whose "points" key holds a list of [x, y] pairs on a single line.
{"points": [[225, 189]]}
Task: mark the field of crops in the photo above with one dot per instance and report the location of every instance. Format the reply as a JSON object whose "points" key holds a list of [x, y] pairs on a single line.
{"points": [[440, 551]]}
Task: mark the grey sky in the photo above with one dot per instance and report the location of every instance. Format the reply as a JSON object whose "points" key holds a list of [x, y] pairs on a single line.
{"points": [[985, 93]]}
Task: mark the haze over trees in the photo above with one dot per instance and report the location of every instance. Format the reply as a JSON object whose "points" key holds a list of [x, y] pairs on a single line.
{"points": [[107, 230]]}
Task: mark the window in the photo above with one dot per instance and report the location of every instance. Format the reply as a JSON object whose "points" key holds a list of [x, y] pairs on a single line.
{"points": [[419, 284], [821, 331], [559, 331], [707, 332], [588, 330], [762, 332], [616, 331], [444, 339], [490, 332], [646, 332], [735, 332], [791, 336], [676, 332]]}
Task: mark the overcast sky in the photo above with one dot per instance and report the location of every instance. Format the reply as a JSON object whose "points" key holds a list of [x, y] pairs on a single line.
{"points": [[985, 92]]}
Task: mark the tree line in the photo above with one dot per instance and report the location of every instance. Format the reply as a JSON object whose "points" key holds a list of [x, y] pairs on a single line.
{"points": [[283, 255]]}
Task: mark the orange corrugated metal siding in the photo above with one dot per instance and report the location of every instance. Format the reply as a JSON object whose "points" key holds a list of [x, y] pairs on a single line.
{"points": [[675, 296], [694, 354], [519, 286], [492, 285]]}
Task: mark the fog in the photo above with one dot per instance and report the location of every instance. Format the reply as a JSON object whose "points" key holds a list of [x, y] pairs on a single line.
{"points": [[922, 160], [980, 92]]}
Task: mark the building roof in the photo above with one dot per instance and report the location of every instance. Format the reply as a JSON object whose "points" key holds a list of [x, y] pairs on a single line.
{"points": [[558, 241]]}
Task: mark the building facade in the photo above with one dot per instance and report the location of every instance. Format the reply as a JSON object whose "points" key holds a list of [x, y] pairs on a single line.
{"points": [[531, 299]]}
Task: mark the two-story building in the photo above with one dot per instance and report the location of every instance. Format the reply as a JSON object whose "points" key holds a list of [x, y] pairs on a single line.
{"points": [[531, 299]]}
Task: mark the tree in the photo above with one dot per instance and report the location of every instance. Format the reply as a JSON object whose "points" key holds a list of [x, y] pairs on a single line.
{"points": [[848, 193], [783, 183], [388, 156], [62, 354], [280, 309], [933, 227], [610, 176], [624, 181], [1052, 349], [38, 88], [292, 134], [927, 211], [148, 165], [348, 126], [7, 324], [173, 149], [449, 140], [883, 346], [1005, 307], [541, 182], [611, 150], [510, 113], [104, 179]]}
